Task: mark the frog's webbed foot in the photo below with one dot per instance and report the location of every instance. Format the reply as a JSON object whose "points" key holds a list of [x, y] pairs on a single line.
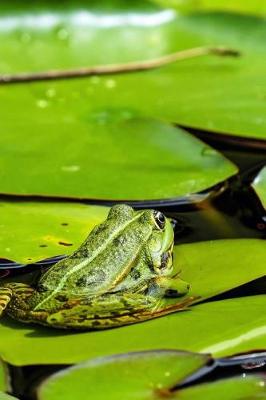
{"points": [[168, 287], [112, 310]]}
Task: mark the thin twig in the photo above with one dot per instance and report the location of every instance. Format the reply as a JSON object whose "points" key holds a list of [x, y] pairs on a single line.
{"points": [[118, 68]]}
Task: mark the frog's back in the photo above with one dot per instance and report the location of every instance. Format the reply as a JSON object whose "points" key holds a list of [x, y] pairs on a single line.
{"points": [[104, 258]]}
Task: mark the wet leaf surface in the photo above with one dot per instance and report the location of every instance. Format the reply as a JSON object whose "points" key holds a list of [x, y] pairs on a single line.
{"points": [[259, 185], [33, 231], [128, 159]]}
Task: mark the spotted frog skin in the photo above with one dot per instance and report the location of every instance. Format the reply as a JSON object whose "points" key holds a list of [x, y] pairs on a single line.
{"points": [[120, 275]]}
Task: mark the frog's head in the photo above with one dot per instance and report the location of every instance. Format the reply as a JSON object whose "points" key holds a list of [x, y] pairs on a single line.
{"points": [[159, 246], [149, 227]]}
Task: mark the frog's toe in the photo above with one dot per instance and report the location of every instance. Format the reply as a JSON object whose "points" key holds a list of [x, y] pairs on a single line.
{"points": [[172, 287]]}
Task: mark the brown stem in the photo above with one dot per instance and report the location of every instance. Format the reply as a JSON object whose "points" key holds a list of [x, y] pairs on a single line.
{"points": [[118, 68]]}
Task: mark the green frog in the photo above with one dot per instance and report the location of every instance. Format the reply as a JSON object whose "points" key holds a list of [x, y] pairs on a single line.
{"points": [[121, 274]]}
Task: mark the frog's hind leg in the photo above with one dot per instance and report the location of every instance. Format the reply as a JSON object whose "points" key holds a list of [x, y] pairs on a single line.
{"points": [[5, 297], [112, 310], [10, 291], [15, 302]]}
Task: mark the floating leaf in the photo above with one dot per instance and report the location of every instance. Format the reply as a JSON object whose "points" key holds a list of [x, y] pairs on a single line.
{"points": [[148, 375], [259, 186], [133, 159], [130, 376], [32, 231], [221, 327], [216, 266], [3, 378], [256, 7], [5, 396], [212, 93], [237, 388]]}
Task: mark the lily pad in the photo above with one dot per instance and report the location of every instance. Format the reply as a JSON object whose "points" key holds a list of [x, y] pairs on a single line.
{"points": [[237, 388], [148, 375], [5, 396], [221, 95], [216, 266], [259, 185], [33, 231], [130, 376], [256, 7], [220, 327], [111, 160], [3, 379]]}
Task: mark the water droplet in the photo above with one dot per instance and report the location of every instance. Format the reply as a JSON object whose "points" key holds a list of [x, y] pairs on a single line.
{"points": [[8, 249], [25, 38], [95, 80], [50, 93], [254, 364], [70, 168], [110, 83], [42, 103], [62, 34], [167, 373], [208, 151]]}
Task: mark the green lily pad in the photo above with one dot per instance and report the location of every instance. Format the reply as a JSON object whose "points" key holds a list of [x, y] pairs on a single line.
{"points": [[221, 95], [3, 379], [148, 375], [256, 7], [216, 266], [237, 388], [125, 159], [221, 327], [33, 231], [130, 376], [259, 185], [5, 396]]}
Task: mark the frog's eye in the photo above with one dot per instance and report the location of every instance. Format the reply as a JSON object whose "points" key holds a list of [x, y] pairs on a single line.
{"points": [[159, 219]]}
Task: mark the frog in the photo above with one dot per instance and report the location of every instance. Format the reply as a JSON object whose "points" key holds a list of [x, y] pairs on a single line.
{"points": [[121, 274]]}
